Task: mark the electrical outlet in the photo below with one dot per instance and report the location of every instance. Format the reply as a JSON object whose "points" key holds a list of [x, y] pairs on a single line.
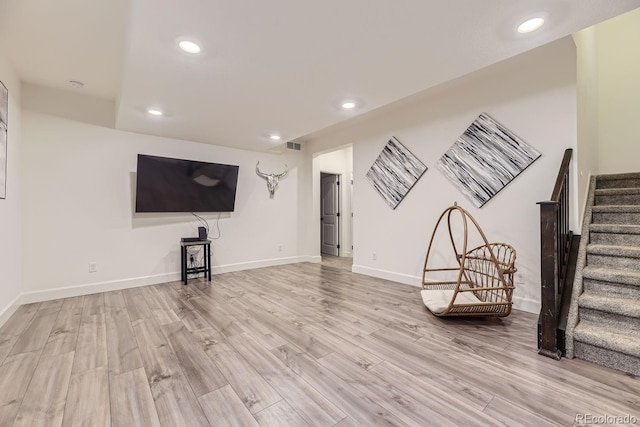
{"points": [[375, 256], [280, 247], [93, 267]]}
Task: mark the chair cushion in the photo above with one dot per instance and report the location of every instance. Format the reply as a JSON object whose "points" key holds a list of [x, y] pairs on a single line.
{"points": [[437, 300]]}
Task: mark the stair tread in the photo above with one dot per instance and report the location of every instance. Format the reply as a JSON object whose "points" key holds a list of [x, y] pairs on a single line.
{"points": [[608, 338], [611, 304], [614, 228], [616, 208], [616, 191], [618, 176], [614, 250], [627, 277], [610, 292]]}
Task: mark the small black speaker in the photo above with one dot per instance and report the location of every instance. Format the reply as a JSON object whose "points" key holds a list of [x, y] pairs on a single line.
{"points": [[202, 233]]}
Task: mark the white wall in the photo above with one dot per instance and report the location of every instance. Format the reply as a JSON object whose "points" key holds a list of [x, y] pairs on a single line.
{"points": [[10, 208], [534, 95], [587, 102], [337, 162], [78, 186], [618, 88]]}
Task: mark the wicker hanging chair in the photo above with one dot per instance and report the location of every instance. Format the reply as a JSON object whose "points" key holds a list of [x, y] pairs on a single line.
{"points": [[481, 284]]}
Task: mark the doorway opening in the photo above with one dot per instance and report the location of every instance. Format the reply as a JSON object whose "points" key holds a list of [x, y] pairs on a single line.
{"points": [[330, 203], [333, 194]]}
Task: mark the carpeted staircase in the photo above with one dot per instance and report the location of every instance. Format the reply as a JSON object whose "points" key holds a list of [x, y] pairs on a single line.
{"points": [[604, 318]]}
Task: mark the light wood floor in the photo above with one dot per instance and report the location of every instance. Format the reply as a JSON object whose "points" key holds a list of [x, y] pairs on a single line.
{"points": [[342, 263], [293, 345]]}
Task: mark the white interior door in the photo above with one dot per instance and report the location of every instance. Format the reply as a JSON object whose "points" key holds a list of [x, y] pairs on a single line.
{"points": [[330, 214]]}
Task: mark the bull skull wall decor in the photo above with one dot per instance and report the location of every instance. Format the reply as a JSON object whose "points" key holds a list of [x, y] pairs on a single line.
{"points": [[272, 179]]}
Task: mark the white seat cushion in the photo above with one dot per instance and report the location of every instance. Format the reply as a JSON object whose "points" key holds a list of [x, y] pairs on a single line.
{"points": [[437, 300]]}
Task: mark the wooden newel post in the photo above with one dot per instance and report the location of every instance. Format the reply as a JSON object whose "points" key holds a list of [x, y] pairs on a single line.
{"points": [[549, 279]]}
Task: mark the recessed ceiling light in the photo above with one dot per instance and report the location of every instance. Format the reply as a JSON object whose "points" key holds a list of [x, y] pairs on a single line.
{"points": [[275, 137], [530, 25], [347, 105], [189, 47], [154, 112]]}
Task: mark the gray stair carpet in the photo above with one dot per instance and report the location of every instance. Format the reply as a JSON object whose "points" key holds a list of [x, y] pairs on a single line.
{"points": [[604, 318]]}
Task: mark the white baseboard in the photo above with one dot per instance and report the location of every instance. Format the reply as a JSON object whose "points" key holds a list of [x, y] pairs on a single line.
{"points": [[116, 285], [526, 304], [388, 275], [94, 288], [523, 304], [229, 268], [8, 311]]}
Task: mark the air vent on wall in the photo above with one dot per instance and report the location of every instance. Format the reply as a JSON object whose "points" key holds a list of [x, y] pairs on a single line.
{"points": [[293, 146]]}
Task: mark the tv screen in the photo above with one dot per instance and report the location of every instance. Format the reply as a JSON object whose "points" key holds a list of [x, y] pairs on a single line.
{"points": [[175, 185]]}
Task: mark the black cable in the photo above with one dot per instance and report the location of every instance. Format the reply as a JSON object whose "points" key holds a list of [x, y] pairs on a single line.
{"points": [[195, 260], [202, 221], [217, 227], [206, 225]]}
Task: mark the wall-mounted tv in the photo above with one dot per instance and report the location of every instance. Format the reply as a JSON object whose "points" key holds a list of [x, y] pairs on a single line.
{"points": [[174, 185]]}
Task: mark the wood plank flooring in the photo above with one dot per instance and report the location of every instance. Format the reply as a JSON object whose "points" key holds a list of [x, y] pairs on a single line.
{"points": [[295, 345]]}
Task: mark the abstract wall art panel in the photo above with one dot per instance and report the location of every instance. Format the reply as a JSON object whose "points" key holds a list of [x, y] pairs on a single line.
{"points": [[485, 158], [4, 121], [394, 172]]}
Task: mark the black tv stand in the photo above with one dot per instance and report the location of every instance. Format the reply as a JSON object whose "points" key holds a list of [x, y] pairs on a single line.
{"points": [[185, 270]]}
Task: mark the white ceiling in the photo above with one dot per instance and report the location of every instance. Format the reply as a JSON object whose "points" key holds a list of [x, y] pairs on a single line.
{"points": [[269, 66]]}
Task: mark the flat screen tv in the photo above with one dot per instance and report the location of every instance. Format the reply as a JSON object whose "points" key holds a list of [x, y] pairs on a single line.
{"points": [[175, 185]]}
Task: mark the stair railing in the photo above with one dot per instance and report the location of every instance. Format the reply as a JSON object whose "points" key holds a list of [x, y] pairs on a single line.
{"points": [[555, 245]]}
